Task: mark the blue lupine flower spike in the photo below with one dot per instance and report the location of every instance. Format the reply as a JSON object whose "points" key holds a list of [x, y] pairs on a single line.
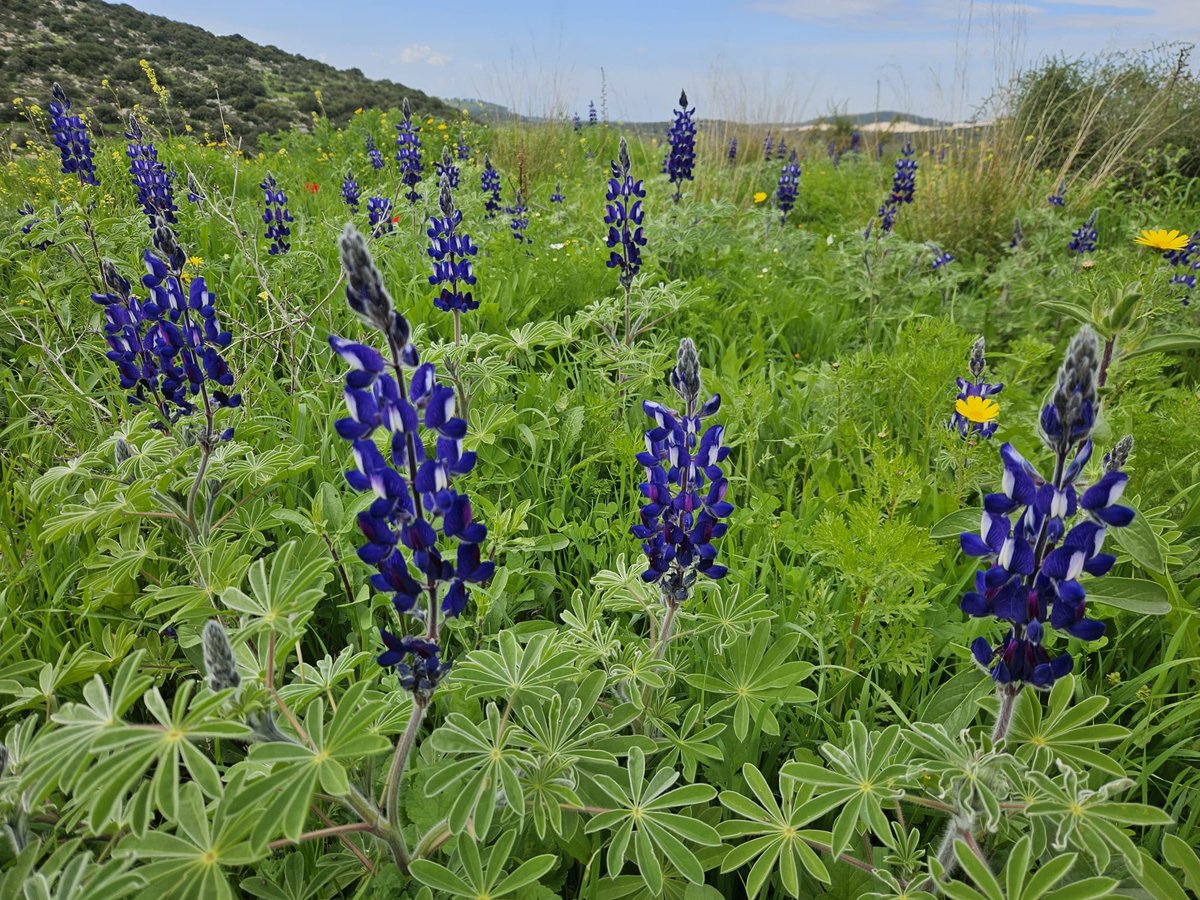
{"points": [[149, 175], [789, 187], [276, 216], [624, 216], [489, 181], [1038, 536], [379, 216], [520, 219], [685, 489], [974, 411], [557, 196], [451, 250], [408, 153], [1083, 239], [732, 152], [904, 182], [350, 191], [374, 155], [447, 169], [420, 532], [71, 138], [681, 158]]}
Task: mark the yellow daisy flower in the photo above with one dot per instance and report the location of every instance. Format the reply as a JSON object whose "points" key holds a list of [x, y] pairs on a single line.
{"points": [[977, 409], [1161, 239], [760, 196]]}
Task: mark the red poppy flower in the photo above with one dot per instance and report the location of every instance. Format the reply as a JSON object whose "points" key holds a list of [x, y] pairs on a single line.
{"points": [[395, 219], [311, 186]]}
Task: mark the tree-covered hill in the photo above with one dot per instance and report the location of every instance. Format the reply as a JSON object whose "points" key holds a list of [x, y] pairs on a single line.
{"points": [[94, 49]]}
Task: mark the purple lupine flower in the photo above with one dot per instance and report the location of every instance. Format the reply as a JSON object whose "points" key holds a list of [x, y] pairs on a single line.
{"points": [[276, 216], [768, 146], [682, 140], [446, 168], [732, 152], [781, 149], [71, 138], [1187, 260], [451, 250], [195, 193], [835, 153], [1033, 563], [1018, 235], [350, 191], [149, 175], [408, 153], [27, 211], [855, 141], [489, 181], [520, 218], [1083, 239], [904, 182], [624, 216], [940, 256], [379, 216], [576, 123], [557, 196], [374, 155], [463, 151], [685, 488], [963, 420], [592, 113], [167, 348], [1058, 198], [420, 532], [789, 186]]}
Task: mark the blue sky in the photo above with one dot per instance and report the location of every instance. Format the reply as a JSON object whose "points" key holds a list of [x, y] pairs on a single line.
{"points": [[746, 59]]}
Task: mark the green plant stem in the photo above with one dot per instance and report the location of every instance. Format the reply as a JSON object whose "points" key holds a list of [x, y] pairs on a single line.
{"points": [[1007, 695], [320, 833], [434, 838], [404, 748]]}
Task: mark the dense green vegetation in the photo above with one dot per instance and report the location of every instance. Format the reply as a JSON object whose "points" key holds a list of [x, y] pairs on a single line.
{"points": [[816, 722], [93, 49]]}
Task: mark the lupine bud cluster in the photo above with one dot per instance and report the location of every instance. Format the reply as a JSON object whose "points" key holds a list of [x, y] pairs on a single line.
{"points": [[732, 152], [1018, 235], [557, 196], [904, 182], [379, 215], [276, 216], [684, 487], [167, 348], [624, 216], [149, 175], [374, 155], [489, 181], [681, 157], [350, 191], [408, 153], [1083, 239], [519, 221], [417, 518], [789, 187], [975, 411], [71, 138], [781, 149], [219, 661], [1059, 197], [451, 251], [447, 169], [1035, 559]]}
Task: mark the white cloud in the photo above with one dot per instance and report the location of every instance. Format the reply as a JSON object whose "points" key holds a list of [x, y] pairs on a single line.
{"points": [[423, 53]]}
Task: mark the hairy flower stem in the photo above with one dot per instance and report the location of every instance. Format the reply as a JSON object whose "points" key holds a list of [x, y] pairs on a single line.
{"points": [[665, 630], [206, 449], [404, 749], [628, 309], [1007, 695]]}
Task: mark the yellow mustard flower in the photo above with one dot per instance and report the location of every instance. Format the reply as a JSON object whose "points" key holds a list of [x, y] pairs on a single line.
{"points": [[1161, 239], [760, 196]]}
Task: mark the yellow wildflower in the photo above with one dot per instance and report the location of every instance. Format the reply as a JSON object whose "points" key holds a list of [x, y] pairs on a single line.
{"points": [[977, 409], [1161, 239]]}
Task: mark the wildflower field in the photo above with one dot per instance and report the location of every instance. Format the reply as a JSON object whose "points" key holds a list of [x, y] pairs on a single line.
{"points": [[408, 507]]}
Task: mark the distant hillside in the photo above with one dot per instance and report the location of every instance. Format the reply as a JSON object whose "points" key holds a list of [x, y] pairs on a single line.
{"points": [[262, 89]]}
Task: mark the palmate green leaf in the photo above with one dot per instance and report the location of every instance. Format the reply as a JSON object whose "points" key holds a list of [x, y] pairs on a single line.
{"points": [[1140, 542], [483, 879], [67, 872], [689, 744], [1064, 730], [283, 598], [753, 677], [516, 672], [642, 818], [780, 843], [188, 859]]}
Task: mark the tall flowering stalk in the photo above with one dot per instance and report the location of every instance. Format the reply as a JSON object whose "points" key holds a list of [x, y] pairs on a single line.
{"points": [[1059, 197], [768, 146], [71, 138], [195, 193], [276, 216], [379, 216], [463, 151], [731, 153], [781, 149], [904, 182], [684, 489], [1033, 563], [489, 181], [789, 187], [681, 157], [350, 191], [451, 251], [149, 175], [420, 533], [624, 215], [576, 123], [446, 169], [374, 155], [519, 220], [557, 196], [975, 411], [592, 113], [408, 153]]}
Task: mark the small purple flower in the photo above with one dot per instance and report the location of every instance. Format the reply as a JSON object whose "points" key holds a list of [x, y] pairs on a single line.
{"points": [[731, 153], [1058, 198], [975, 387], [781, 149], [520, 219], [789, 187], [768, 146], [682, 141], [940, 256], [1083, 239], [576, 123], [462, 150], [489, 181], [624, 216], [379, 216], [195, 194], [451, 251], [71, 138], [904, 182], [557, 196], [149, 175], [350, 191], [1018, 235], [592, 120], [447, 169], [408, 153], [374, 155]]}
